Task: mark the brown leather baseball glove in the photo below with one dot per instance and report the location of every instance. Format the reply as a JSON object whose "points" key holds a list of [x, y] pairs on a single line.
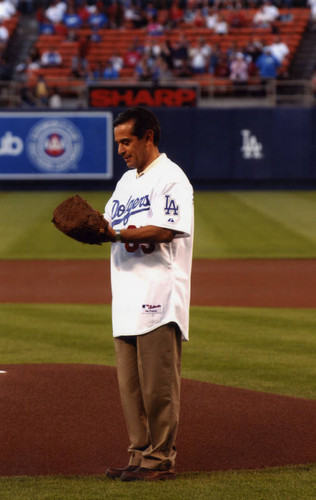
{"points": [[76, 218]]}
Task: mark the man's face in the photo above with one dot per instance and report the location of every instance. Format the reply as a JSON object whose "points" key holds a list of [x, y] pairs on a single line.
{"points": [[134, 151]]}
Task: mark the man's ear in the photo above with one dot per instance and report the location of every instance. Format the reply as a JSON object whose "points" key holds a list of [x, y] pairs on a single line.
{"points": [[149, 135]]}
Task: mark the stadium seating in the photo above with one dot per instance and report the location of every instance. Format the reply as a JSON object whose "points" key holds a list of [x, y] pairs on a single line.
{"points": [[112, 40]]}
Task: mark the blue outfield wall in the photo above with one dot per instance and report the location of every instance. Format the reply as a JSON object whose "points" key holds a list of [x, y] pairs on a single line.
{"points": [[242, 146]]}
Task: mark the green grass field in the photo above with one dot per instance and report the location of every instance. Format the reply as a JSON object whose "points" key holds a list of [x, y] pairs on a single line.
{"points": [[228, 225], [261, 349]]}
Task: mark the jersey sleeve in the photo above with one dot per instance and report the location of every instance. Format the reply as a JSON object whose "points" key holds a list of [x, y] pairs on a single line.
{"points": [[172, 208]]}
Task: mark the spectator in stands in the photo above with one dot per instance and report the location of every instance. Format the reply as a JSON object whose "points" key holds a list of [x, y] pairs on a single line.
{"points": [[232, 51], [312, 5], [55, 99], [133, 55], [84, 11], [32, 63], [7, 10], [271, 10], [180, 51], [143, 69], [279, 49], [115, 13], [80, 62], [221, 26], [135, 17], [27, 68], [152, 48], [266, 15], [238, 71], [154, 28], [4, 37], [96, 71], [151, 11], [166, 52], [79, 69], [41, 91], [51, 57], [45, 26], [267, 65], [117, 61], [237, 19], [199, 56], [205, 5], [71, 19], [189, 14], [175, 14], [110, 72], [95, 36], [56, 11], [211, 18], [161, 71], [216, 55], [28, 99], [222, 68], [98, 19], [254, 48], [199, 18], [185, 71]]}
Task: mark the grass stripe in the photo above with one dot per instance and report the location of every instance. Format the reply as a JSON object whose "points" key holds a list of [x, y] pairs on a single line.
{"points": [[228, 225], [290, 483], [261, 349]]}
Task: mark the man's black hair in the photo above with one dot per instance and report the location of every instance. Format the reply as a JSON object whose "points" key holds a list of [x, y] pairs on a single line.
{"points": [[144, 120]]}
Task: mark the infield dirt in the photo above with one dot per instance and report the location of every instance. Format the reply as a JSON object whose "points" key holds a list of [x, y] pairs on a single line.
{"points": [[66, 419]]}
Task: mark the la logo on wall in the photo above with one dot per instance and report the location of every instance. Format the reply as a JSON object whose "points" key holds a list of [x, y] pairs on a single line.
{"points": [[251, 148]]}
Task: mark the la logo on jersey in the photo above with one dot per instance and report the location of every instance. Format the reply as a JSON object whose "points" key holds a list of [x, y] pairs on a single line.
{"points": [[171, 208], [251, 148]]}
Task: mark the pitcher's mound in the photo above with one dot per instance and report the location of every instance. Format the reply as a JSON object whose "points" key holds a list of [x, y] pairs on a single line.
{"points": [[67, 419]]}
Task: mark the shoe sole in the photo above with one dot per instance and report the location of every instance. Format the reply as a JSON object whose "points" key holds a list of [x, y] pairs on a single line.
{"points": [[164, 477]]}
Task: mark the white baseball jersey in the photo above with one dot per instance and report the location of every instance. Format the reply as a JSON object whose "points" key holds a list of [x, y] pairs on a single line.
{"points": [[151, 282]]}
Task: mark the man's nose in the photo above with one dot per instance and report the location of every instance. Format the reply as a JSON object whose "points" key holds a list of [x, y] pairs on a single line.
{"points": [[121, 149]]}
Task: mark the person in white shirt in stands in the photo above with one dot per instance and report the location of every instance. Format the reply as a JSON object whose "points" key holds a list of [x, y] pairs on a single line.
{"points": [[279, 49], [266, 15], [7, 10], [56, 11], [51, 57], [221, 26], [312, 5], [4, 35], [199, 56]]}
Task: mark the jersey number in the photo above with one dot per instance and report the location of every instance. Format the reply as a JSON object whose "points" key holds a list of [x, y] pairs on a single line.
{"points": [[132, 247]]}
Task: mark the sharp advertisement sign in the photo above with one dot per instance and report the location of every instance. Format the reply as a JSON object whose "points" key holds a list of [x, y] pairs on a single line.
{"points": [[128, 95]]}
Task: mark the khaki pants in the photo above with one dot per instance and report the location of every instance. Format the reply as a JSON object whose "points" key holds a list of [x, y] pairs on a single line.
{"points": [[149, 375]]}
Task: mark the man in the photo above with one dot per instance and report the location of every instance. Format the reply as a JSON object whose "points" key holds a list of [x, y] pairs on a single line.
{"points": [[50, 58], [151, 225], [279, 49], [267, 64]]}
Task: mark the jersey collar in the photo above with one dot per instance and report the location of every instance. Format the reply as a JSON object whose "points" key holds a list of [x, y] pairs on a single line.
{"points": [[151, 165]]}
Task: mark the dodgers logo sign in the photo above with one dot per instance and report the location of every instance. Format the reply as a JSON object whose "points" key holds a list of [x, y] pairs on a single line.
{"points": [[54, 145]]}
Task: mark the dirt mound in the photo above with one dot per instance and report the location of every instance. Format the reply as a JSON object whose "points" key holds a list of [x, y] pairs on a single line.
{"points": [[67, 419]]}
